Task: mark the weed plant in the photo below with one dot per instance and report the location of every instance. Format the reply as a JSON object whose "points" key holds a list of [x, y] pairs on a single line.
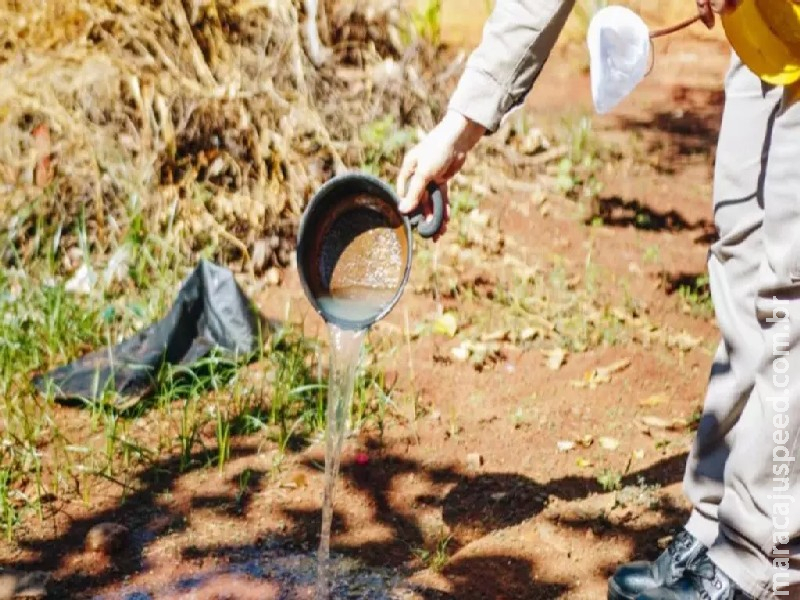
{"points": [[197, 413]]}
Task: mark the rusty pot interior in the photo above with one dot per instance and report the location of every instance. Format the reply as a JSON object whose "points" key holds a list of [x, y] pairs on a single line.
{"points": [[354, 254]]}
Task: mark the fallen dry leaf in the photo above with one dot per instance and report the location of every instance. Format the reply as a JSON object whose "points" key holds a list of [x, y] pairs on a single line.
{"points": [[460, 353], [683, 341], [479, 218], [600, 375], [474, 461], [656, 422], [655, 400], [565, 445], [608, 443], [501, 335], [478, 353], [591, 379], [555, 358], [621, 315], [615, 367]]}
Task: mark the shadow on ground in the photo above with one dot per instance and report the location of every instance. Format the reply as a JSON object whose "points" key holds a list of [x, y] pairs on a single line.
{"points": [[620, 212], [682, 133], [473, 506], [695, 284]]}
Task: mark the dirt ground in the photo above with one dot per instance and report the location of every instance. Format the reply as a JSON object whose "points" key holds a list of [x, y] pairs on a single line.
{"points": [[473, 475]]}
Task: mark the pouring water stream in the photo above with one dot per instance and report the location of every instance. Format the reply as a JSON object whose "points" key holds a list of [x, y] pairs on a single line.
{"points": [[345, 352], [354, 258]]}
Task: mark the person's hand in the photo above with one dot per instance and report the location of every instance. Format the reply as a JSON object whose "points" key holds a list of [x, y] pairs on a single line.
{"points": [[707, 8], [437, 158]]}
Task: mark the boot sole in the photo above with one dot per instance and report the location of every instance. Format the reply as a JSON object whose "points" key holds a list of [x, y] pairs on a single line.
{"points": [[615, 593]]}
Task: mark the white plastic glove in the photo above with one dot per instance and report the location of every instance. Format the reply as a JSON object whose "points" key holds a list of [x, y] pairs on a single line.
{"points": [[437, 158]]}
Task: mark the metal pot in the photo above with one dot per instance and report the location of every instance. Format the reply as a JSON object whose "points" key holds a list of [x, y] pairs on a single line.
{"points": [[354, 248]]}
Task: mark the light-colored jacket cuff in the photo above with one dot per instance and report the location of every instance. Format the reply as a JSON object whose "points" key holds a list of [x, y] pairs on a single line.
{"points": [[481, 99]]}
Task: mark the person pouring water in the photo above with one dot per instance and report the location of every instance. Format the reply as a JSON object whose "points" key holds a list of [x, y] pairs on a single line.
{"points": [[742, 538]]}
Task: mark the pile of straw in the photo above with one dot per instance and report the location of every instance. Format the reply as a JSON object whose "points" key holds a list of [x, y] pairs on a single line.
{"points": [[209, 120]]}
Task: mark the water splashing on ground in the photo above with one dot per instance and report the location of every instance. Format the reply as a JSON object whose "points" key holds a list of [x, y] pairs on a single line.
{"points": [[276, 570]]}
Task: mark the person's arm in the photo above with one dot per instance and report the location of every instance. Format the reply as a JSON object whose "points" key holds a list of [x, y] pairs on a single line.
{"points": [[516, 43]]}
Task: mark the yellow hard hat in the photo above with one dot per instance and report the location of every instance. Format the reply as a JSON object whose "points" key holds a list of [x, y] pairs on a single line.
{"points": [[766, 36]]}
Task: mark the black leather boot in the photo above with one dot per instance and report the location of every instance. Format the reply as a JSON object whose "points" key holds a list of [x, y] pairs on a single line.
{"points": [[632, 579], [701, 580]]}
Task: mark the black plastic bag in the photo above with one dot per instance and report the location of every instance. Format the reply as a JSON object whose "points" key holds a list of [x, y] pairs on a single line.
{"points": [[211, 313]]}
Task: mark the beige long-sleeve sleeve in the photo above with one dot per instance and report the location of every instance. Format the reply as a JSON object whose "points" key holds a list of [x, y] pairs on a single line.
{"points": [[517, 40]]}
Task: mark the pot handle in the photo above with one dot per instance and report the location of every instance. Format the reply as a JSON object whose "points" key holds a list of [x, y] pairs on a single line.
{"points": [[428, 229]]}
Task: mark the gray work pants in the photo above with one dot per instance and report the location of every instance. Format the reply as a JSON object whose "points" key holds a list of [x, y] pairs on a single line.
{"points": [[741, 477]]}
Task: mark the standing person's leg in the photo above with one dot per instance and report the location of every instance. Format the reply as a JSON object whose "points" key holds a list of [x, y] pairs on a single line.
{"points": [[757, 551], [759, 514], [733, 265]]}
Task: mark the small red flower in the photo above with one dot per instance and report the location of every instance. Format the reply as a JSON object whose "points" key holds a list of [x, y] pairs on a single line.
{"points": [[362, 459]]}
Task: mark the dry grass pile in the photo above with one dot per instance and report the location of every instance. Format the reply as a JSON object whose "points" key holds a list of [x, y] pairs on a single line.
{"points": [[203, 119]]}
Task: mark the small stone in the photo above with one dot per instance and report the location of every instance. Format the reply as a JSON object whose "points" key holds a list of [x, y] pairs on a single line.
{"points": [[106, 538], [474, 461], [16, 584]]}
